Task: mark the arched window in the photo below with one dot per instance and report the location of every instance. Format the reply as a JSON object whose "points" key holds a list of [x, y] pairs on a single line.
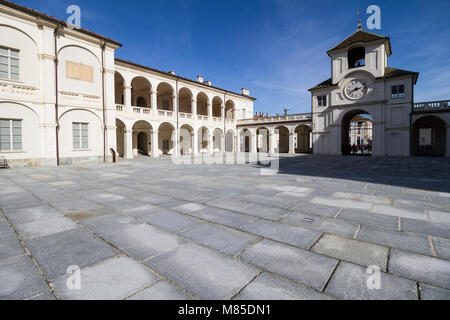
{"points": [[356, 57]]}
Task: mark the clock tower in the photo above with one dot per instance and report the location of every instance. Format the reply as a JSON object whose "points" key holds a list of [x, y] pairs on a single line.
{"points": [[362, 83]]}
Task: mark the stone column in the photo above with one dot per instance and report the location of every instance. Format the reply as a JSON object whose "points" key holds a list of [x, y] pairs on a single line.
{"points": [[271, 142], [194, 108], [195, 143], [448, 142], [127, 96], [175, 104], [155, 144], [210, 143], [292, 143], [154, 101], [210, 111], [253, 141], [128, 144]]}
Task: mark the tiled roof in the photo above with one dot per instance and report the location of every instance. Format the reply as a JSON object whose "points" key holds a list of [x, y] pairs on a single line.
{"points": [[181, 78], [35, 13], [357, 37], [389, 73]]}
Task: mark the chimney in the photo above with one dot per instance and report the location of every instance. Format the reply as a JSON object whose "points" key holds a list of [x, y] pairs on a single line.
{"points": [[172, 72], [208, 83], [200, 79], [245, 92]]}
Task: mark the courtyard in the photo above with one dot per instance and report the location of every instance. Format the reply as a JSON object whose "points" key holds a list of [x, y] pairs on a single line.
{"points": [[151, 229]]}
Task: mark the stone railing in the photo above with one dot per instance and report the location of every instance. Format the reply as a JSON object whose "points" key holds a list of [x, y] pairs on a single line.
{"points": [[285, 118], [431, 106]]}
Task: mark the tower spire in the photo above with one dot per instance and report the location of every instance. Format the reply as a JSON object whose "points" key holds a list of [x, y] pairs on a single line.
{"points": [[359, 21]]}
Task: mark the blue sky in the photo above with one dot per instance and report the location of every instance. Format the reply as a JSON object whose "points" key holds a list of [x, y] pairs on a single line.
{"points": [[276, 48]]}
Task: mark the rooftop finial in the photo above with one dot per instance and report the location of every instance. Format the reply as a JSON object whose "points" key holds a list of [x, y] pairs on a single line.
{"points": [[359, 20]]}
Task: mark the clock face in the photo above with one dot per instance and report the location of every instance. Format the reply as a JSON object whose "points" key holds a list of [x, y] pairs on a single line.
{"points": [[356, 89]]}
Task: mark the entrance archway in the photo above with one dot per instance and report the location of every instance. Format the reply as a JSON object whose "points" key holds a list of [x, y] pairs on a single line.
{"points": [[120, 138], [203, 140], [283, 139], [357, 133], [429, 137], [142, 138], [217, 140], [263, 140], [186, 142], [245, 140], [229, 143], [165, 138], [304, 141]]}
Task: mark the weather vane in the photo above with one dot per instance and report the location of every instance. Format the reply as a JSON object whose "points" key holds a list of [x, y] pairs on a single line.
{"points": [[359, 20]]}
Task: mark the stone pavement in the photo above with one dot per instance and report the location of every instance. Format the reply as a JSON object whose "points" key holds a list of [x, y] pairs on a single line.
{"points": [[150, 229]]}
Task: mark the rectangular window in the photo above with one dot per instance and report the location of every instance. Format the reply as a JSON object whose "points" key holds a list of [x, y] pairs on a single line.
{"points": [[398, 92], [244, 114], [165, 105], [10, 135], [9, 64], [322, 101], [80, 136]]}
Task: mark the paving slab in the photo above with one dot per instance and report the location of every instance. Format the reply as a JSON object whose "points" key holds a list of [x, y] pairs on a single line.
{"points": [[394, 239], [428, 292], [144, 241], [418, 267], [161, 290], [296, 236], [270, 287], [223, 239], [57, 252], [28, 215], [439, 216], [314, 209], [112, 279], [426, 228], [10, 247], [212, 276], [224, 217], [361, 253], [264, 211], [169, 220], [350, 282], [367, 218], [229, 205], [402, 213], [302, 266], [45, 227], [442, 247], [341, 203], [20, 279]]}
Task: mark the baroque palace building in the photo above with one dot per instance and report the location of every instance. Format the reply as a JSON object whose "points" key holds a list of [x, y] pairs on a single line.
{"points": [[66, 99]]}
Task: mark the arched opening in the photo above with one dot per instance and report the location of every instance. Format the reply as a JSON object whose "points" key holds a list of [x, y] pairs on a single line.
{"points": [[229, 144], [202, 104], [282, 137], [357, 133], [186, 140], [229, 110], [217, 140], [119, 86], [120, 138], [245, 139], [429, 137], [304, 139], [165, 97], [142, 138], [203, 140], [217, 107], [185, 100], [263, 140], [140, 92], [165, 137], [356, 57]]}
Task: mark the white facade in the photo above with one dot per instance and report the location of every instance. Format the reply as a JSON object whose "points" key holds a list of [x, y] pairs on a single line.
{"points": [[89, 97], [390, 113]]}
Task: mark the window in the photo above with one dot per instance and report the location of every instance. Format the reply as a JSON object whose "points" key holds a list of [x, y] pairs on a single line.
{"points": [[356, 57], [244, 114], [398, 92], [322, 101], [165, 105], [10, 135], [80, 136], [9, 64]]}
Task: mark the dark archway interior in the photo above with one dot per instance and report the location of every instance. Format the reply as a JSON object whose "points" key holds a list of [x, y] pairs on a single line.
{"points": [[429, 137], [361, 143], [356, 57], [142, 143]]}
